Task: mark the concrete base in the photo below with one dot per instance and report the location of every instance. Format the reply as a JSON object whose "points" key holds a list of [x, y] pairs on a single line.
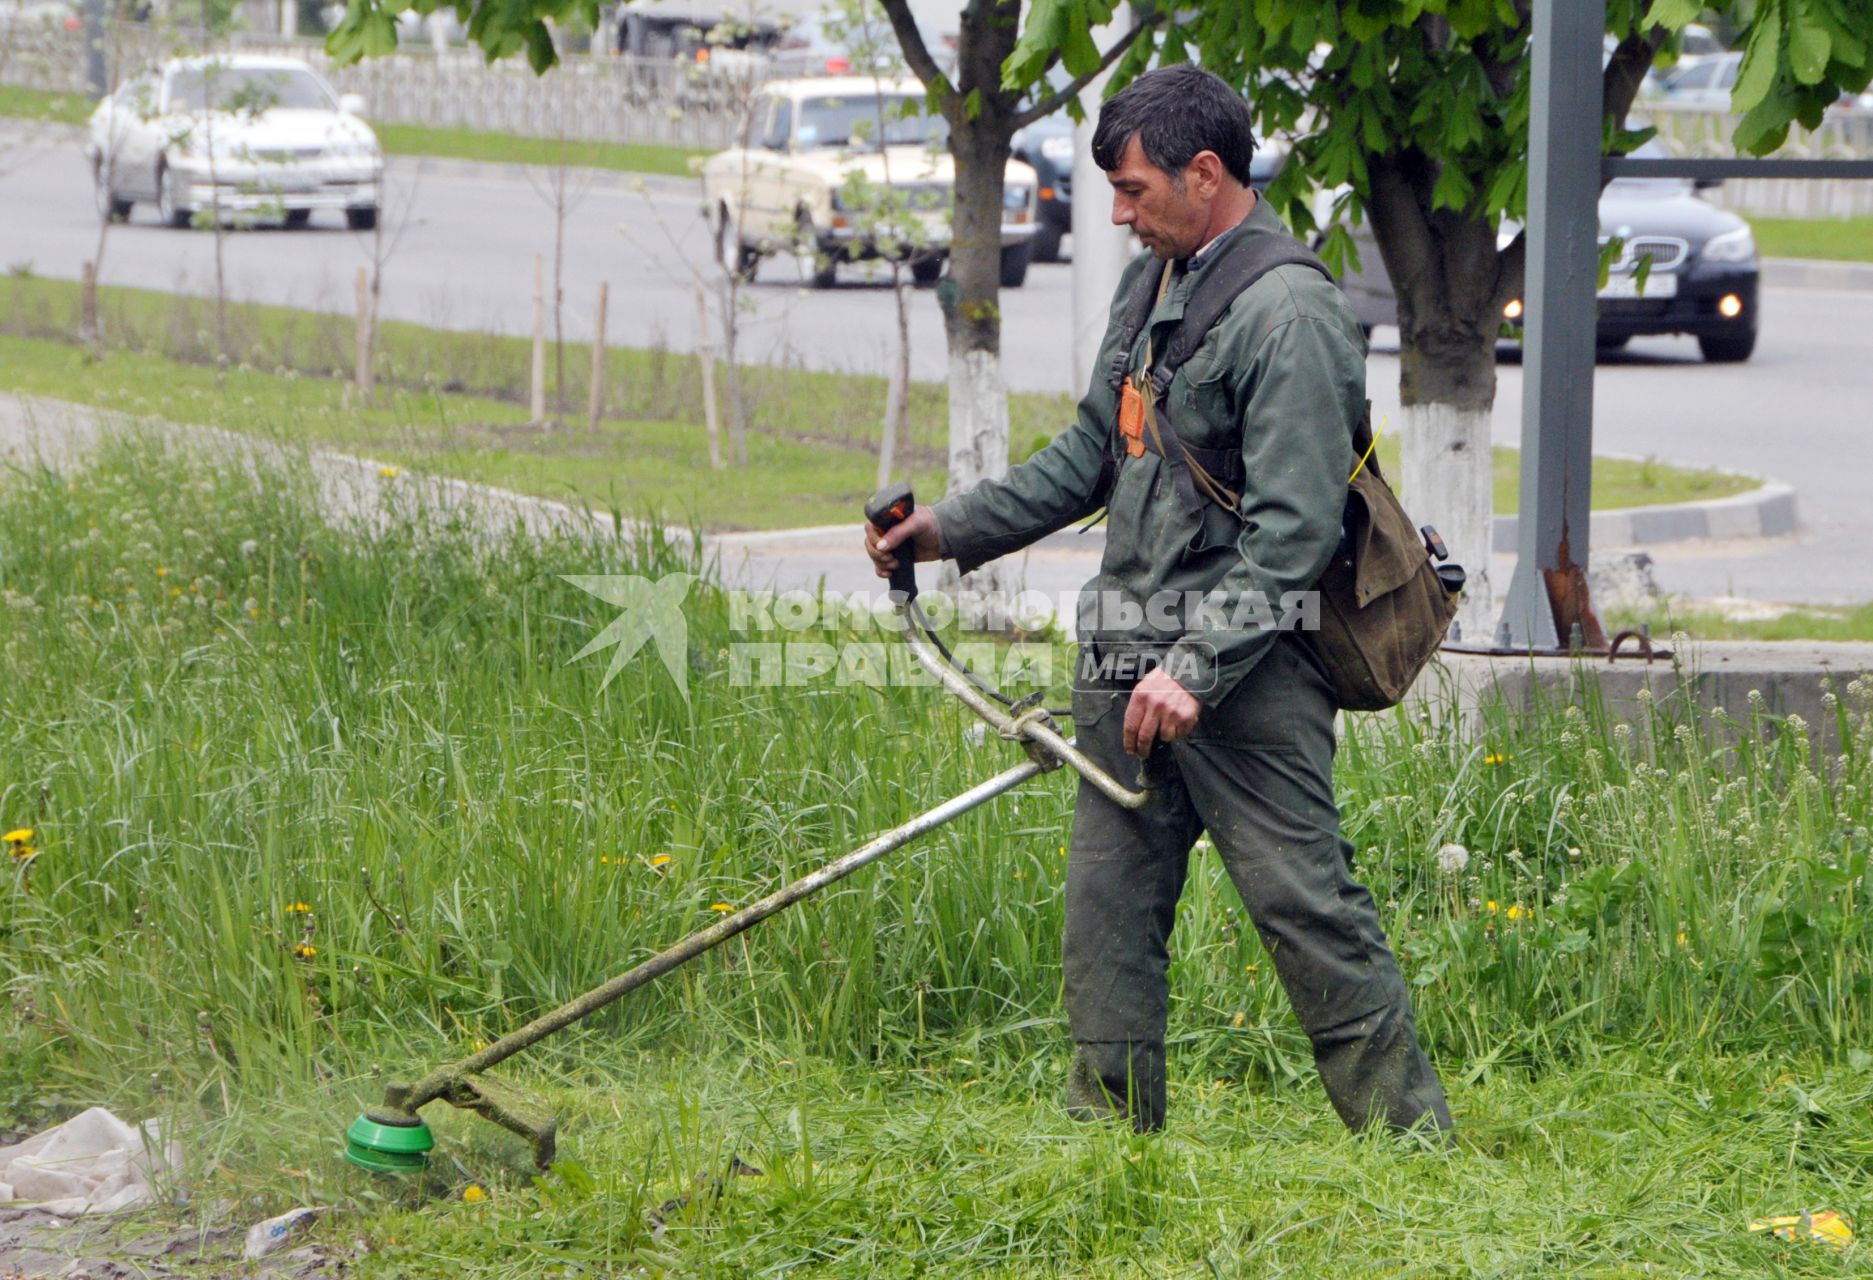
{"points": [[1791, 677]]}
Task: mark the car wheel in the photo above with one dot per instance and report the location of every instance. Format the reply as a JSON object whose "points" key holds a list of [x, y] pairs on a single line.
{"points": [[1728, 348], [296, 218], [823, 267], [169, 206], [110, 208], [747, 259], [364, 219], [1015, 265], [927, 269], [1047, 244]]}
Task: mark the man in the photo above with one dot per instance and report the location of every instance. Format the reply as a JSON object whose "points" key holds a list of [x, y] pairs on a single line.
{"points": [[1236, 721]]}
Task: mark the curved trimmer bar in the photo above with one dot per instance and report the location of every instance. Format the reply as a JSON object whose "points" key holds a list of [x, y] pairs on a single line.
{"points": [[391, 1137]]}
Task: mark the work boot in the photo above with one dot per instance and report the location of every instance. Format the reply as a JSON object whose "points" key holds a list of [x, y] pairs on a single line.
{"points": [[1114, 1080]]}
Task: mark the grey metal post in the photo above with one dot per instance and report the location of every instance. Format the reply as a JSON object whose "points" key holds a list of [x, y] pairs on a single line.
{"points": [[1100, 250], [97, 76], [1548, 593]]}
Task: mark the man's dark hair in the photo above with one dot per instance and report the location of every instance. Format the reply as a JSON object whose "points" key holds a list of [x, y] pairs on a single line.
{"points": [[1176, 112]]}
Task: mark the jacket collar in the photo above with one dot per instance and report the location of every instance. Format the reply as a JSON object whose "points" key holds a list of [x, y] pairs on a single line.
{"points": [[1261, 220]]}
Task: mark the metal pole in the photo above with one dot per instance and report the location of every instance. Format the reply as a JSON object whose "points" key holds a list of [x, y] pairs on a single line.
{"points": [[1548, 594], [97, 75], [1100, 250]]}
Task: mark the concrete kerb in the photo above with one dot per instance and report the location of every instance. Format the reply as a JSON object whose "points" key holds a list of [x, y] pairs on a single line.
{"points": [[1765, 512], [1768, 511], [1816, 273], [1792, 678]]}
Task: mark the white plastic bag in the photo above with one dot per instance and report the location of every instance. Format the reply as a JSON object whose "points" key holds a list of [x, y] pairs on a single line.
{"points": [[93, 1163]]}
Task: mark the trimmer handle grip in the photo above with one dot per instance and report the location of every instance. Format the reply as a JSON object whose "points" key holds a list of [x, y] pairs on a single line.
{"points": [[886, 509]]}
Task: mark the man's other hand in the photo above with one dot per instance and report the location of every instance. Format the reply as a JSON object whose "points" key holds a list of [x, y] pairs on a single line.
{"points": [[1160, 710], [919, 529]]}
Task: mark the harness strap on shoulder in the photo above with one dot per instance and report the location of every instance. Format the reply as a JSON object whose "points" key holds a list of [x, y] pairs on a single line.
{"points": [[1246, 259], [1138, 308]]}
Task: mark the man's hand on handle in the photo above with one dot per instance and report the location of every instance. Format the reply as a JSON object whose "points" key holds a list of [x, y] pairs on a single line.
{"points": [[919, 528], [1160, 710]]}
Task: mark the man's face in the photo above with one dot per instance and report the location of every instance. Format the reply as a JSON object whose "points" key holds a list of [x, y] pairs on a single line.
{"points": [[1169, 215]]}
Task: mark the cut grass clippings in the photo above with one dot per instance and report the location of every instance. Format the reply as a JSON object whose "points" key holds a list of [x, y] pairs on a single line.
{"points": [[451, 402]]}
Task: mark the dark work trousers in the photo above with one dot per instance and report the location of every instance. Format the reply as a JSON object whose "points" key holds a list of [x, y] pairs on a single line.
{"points": [[1257, 774]]}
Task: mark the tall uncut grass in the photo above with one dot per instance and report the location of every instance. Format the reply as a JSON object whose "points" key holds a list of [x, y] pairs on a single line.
{"points": [[315, 796], [308, 796]]}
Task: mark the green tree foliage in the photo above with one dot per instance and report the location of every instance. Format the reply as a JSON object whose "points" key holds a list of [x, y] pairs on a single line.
{"points": [[1417, 111]]}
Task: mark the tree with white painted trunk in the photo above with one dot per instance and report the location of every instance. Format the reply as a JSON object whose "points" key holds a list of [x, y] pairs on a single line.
{"points": [[983, 108], [1415, 112]]}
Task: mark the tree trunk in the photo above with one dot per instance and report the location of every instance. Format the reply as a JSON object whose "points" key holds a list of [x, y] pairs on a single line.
{"points": [[1446, 275], [971, 298]]}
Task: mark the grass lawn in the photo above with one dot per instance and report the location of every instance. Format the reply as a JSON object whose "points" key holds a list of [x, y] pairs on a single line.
{"points": [[1813, 623], [1843, 239], [506, 148], [317, 803], [452, 403], [418, 140], [42, 104]]}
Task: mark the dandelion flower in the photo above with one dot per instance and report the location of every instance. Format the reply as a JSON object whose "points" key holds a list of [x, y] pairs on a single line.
{"points": [[1492, 907], [662, 859], [1495, 758], [1452, 859], [305, 951], [474, 1194], [1519, 912], [22, 835], [389, 473], [297, 909], [720, 906]]}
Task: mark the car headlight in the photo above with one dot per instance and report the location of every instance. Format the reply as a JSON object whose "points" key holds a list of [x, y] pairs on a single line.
{"points": [[1014, 198], [1058, 149], [1731, 246]]}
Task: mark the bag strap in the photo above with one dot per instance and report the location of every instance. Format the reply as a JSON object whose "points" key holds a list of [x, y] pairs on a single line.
{"points": [[1146, 290], [1245, 259]]}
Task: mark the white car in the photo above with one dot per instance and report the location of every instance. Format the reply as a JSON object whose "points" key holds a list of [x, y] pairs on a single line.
{"points": [[814, 140], [234, 136]]}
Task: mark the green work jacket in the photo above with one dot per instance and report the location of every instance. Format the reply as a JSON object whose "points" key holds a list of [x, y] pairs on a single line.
{"points": [[1282, 376]]}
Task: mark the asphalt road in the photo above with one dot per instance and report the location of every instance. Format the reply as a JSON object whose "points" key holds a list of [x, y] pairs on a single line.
{"points": [[462, 242]]}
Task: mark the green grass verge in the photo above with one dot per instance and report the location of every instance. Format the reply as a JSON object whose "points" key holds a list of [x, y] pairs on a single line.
{"points": [[505, 148], [1808, 623], [42, 104], [1841, 239], [420, 140], [452, 404], [312, 803]]}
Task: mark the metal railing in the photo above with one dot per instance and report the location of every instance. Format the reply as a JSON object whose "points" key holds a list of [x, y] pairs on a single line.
{"points": [[1695, 133]]}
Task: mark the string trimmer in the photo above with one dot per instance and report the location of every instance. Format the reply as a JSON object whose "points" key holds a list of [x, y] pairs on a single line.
{"points": [[391, 1137]]}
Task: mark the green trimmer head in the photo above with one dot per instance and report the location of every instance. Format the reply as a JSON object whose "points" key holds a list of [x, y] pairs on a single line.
{"points": [[385, 1145], [391, 1139]]}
